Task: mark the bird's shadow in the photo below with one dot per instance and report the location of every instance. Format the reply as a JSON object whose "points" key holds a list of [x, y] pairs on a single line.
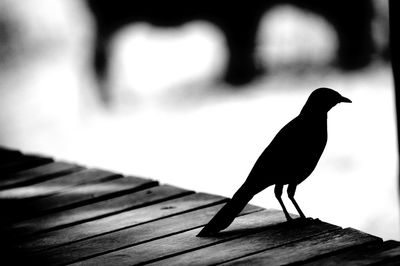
{"points": [[292, 224]]}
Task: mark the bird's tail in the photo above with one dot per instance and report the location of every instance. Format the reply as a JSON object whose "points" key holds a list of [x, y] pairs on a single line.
{"points": [[228, 213]]}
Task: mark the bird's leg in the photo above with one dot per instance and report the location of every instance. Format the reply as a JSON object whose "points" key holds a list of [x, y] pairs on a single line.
{"points": [[290, 191], [278, 194]]}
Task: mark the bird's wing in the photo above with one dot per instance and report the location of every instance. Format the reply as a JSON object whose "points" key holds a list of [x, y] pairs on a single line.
{"points": [[289, 154]]}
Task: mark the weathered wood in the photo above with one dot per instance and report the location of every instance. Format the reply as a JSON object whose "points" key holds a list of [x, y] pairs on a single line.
{"points": [[86, 194], [301, 251], [120, 221], [7, 154], [271, 238], [57, 184], [364, 255], [38, 174], [21, 163], [394, 262], [394, 38], [96, 210], [90, 216], [132, 235], [187, 241]]}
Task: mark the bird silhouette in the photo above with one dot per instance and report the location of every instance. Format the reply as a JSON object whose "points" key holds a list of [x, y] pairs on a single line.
{"points": [[288, 160]]}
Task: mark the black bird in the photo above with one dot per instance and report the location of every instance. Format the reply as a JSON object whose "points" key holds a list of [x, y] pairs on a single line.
{"points": [[288, 160]]}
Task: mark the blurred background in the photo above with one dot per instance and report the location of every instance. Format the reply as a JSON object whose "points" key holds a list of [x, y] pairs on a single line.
{"points": [[169, 113]]}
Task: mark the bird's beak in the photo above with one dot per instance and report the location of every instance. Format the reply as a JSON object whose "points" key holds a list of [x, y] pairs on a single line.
{"points": [[345, 100]]}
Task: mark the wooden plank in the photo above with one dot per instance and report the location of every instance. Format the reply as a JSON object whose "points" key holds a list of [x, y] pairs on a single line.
{"points": [[131, 236], [22, 163], [270, 238], [301, 251], [364, 255], [86, 194], [96, 210], [187, 241], [120, 221], [38, 174], [96, 221], [394, 262], [57, 184], [7, 154]]}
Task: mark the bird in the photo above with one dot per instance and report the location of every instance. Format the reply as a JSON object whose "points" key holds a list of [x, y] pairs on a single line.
{"points": [[289, 159]]}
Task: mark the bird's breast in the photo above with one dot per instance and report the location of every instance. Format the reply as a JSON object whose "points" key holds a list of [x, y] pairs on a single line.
{"points": [[292, 155], [305, 152]]}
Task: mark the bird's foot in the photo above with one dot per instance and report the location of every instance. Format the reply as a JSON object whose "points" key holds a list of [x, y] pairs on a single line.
{"points": [[299, 221], [305, 219], [288, 217]]}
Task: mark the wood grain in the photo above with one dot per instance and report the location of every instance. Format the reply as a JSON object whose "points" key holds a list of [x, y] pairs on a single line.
{"points": [[20, 163], [58, 213], [301, 251], [7, 154], [375, 253], [57, 184], [167, 246], [96, 210], [38, 174], [120, 221], [131, 236], [271, 238], [86, 194]]}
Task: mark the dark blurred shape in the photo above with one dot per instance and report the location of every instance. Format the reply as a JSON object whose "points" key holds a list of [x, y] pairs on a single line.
{"points": [[7, 36], [394, 20], [239, 21]]}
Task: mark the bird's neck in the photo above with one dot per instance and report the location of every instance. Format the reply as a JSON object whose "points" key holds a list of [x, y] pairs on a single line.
{"points": [[315, 110], [314, 114]]}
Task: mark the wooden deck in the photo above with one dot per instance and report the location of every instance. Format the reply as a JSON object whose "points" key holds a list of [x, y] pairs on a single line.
{"points": [[59, 213]]}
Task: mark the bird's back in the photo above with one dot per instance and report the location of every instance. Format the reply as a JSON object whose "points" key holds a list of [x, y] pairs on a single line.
{"points": [[293, 153]]}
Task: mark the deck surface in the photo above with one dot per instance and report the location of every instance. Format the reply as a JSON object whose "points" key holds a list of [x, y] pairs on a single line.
{"points": [[62, 213]]}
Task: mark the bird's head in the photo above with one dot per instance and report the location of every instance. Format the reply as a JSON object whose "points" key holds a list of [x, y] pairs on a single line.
{"points": [[322, 100]]}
